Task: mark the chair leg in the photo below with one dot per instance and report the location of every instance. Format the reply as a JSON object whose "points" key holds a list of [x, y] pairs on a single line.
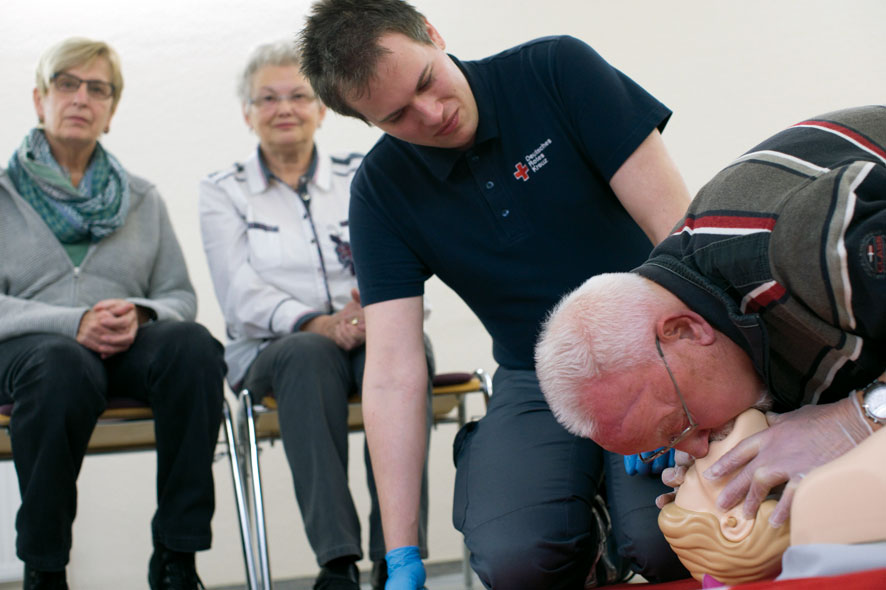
{"points": [[486, 384], [252, 469], [465, 552], [240, 498], [466, 567]]}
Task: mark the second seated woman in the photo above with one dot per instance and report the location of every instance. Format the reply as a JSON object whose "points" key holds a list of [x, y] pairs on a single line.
{"points": [[275, 231]]}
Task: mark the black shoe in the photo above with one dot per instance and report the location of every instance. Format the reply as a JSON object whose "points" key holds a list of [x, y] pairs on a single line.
{"points": [[343, 577], [379, 574], [609, 567], [35, 580], [171, 570]]}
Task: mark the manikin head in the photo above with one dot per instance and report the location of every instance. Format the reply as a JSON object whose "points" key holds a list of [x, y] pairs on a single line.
{"points": [[723, 544]]}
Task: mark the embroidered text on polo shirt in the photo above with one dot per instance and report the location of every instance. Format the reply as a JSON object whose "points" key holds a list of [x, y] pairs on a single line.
{"points": [[535, 160]]}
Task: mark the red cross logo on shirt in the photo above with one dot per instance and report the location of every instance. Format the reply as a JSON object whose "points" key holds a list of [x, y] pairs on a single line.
{"points": [[522, 171]]}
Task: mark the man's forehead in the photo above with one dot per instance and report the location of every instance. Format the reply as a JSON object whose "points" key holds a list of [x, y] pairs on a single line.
{"points": [[395, 78]]}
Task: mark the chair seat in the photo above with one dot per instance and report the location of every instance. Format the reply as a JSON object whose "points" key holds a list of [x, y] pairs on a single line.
{"points": [[446, 395], [126, 424]]}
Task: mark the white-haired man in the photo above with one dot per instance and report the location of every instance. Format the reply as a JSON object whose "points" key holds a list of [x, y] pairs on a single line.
{"points": [[771, 288]]}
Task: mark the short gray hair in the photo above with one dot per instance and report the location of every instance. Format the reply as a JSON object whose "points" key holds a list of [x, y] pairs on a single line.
{"points": [[278, 53], [605, 326]]}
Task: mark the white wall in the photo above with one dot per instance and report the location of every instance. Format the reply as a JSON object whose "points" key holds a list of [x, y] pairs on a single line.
{"points": [[732, 72]]}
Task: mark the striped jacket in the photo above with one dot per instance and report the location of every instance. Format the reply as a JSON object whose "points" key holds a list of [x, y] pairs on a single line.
{"points": [[784, 251]]}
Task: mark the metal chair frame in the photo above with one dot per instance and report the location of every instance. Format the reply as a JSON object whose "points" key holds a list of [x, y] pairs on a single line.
{"points": [[258, 421]]}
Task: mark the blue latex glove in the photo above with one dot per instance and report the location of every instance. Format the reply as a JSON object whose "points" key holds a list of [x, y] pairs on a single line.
{"points": [[405, 569], [634, 466]]}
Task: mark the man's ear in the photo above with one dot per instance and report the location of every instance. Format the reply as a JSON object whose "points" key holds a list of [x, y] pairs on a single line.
{"points": [[435, 35], [685, 324]]}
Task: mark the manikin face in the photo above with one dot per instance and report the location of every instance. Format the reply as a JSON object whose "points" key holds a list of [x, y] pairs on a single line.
{"points": [[699, 494], [723, 544], [419, 95]]}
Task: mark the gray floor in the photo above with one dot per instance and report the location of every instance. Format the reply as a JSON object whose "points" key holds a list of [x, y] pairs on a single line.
{"points": [[446, 575], [441, 576]]}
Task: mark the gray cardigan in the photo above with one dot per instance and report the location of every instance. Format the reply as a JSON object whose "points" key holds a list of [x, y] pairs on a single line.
{"points": [[42, 291]]}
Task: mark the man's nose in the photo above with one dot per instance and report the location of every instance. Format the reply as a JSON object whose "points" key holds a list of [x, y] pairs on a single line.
{"points": [[696, 444], [429, 109]]}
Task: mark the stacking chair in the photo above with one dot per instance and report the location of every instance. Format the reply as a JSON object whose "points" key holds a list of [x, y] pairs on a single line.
{"points": [[258, 420]]}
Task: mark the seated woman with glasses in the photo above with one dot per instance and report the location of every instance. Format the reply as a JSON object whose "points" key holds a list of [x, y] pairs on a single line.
{"points": [[275, 231], [95, 302]]}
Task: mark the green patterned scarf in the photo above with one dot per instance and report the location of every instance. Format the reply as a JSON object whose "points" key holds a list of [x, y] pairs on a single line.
{"points": [[93, 210]]}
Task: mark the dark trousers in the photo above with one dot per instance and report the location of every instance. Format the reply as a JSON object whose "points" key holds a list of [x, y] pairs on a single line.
{"points": [[311, 379], [524, 489], [59, 388]]}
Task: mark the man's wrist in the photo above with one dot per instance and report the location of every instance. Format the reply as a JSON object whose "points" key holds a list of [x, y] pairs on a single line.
{"points": [[871, 404]]}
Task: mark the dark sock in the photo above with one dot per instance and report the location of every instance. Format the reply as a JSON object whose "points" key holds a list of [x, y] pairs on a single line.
{"points": [[341, 565], [171, 555], [57, 575]]}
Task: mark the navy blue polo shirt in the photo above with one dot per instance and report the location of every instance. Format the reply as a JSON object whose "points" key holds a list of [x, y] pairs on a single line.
{"points": [[523, 216]]}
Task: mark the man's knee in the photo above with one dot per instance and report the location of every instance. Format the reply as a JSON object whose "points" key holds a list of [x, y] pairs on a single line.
{"points": [[514, 552], [651, 556]]}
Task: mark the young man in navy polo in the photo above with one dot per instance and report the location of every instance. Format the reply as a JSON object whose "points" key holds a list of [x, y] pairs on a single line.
{"points": [[513, 179]]}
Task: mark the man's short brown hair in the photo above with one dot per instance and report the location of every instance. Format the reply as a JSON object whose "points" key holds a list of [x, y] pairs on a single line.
{"points": [[339, 45]]}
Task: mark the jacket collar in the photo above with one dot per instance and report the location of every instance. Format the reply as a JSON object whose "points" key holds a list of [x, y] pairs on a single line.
{"points": [[258, 176]]}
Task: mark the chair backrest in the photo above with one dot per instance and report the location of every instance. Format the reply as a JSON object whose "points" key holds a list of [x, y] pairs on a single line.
{"points": [[125, 425]]}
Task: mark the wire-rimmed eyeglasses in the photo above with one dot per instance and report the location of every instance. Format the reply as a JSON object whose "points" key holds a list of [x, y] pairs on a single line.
{"points": [[270, 102], [649, 458], [69, 84]]}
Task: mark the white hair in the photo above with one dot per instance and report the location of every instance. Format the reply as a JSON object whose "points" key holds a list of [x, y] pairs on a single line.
{"points": [[605, 326], [278, 53]]}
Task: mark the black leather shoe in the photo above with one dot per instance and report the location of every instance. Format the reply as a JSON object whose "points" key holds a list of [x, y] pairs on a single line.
{"points": [[379, 575], [171, 570], [340, 578], [36, 580]]}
